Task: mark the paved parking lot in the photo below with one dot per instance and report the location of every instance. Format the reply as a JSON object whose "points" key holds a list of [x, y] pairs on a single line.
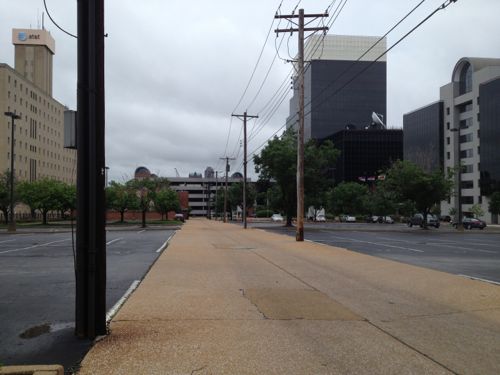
{"points": [[38, 289], [472, 253]]}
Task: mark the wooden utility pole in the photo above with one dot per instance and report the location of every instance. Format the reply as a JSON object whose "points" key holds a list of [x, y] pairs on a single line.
{"points": [[225, 189], [300, 134], [245, 117]]}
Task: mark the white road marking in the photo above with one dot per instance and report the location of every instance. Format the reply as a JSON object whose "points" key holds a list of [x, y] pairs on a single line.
{"points": [[379, 244], [141, 231], [479, 279], [112, 241], [112, 312], [33, 246], [6, 241], [165, 243]]}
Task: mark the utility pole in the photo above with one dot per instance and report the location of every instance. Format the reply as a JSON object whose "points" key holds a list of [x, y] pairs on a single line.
{"points": [[225, 190], [90, 320], [12, 222], [300, 136], [245, 117]]}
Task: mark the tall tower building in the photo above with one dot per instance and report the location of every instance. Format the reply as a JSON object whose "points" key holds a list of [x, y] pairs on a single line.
{"points": [[27, 91], [33, 56], [343, 84]]}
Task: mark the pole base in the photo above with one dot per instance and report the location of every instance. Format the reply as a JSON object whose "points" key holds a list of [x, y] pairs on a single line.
{"points": [[11, 227]]}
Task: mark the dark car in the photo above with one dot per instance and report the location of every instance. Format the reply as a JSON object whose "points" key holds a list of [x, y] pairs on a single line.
{"points": [[418, 219], [470, 222]]}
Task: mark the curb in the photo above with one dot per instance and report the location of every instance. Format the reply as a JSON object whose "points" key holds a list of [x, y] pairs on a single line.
{"points": [[32, 370]]}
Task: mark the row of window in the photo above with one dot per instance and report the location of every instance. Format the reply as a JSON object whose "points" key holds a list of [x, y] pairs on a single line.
{"points": [[34, 96]]}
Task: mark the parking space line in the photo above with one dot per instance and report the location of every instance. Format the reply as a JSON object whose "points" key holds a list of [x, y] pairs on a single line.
{"points": [[113, 241], [33, 246], [379, 244], [165, 243], [7, 241], [141, 231]]}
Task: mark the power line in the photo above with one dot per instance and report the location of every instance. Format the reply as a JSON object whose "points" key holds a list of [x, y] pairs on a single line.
{"points": [[55, 23]]}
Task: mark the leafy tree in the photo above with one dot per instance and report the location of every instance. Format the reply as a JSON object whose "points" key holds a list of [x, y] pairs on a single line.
{"points": [[494, 205], [5, 195], [166, 200], [347, 197], [278, 162], [67, 198], [47, 195], [380, 202], [410, 183], [145, 191], [121, 197], [27, 194], [477, 210], [235, 195]]}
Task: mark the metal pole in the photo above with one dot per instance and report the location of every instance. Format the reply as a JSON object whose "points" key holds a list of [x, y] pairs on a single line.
{"points": [[245, 170], [225, 192], [299, 236]]}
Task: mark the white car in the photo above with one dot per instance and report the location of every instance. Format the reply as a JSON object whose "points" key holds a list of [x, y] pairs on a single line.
{"points": [[321, 218], [276, 218], [347, 218]]}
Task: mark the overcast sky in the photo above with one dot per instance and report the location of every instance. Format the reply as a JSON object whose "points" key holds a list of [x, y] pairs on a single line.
{"points": [[175, 70]]}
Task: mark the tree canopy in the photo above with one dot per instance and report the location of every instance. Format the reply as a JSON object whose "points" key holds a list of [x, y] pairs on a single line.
{"points": [[278, 162]]}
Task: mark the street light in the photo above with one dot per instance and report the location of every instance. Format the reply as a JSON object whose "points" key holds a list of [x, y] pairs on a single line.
{"points": [[12, 223]]}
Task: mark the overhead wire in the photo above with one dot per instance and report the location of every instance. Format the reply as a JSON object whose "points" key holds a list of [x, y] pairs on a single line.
{"points": [[55, 23]]}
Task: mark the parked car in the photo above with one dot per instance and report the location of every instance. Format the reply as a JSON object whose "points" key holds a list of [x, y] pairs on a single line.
{"points": [[179, 217], [347, 218], [320, 217], [276, 218], [418, 219], [471, 222], [385, 219]]}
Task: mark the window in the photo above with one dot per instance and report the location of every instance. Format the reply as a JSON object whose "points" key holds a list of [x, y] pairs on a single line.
{"points": [[466, 153], [466, 138], [447, 140], [447, 110], [467, 168], [480, 199], [467, 200], [465, 84], [464, 124], [478, 133], [466, 107], [467, 184], [478, 117], [448, 155], [447, 126]]}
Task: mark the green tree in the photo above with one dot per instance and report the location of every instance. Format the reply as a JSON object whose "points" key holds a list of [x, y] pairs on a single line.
{"points": [[166, 200], [235, 195], [410, 183], [46, 196], [477, 210], [67, 198], [278, 162], [347, 198], [27, 194], [121, 197], [494, 204], [5, 195], [145, 191], [380, 202]]}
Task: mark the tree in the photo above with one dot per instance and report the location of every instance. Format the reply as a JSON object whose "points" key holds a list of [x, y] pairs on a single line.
{"points": [[121, 198], [278, 162], [380, 202], [477, 210], [166, 200], [5, 195], [410, 183], [67, 198], [27, 194], [235, 195], [145, 191], [46, 196], [347, 197], [494, 205]]}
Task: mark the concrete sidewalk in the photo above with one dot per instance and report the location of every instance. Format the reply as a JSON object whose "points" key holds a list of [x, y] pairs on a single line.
{"points": [[224, 300]]}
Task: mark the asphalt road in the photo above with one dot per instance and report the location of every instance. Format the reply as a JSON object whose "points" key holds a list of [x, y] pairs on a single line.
{"points": [[472, 253], [37, 296]]}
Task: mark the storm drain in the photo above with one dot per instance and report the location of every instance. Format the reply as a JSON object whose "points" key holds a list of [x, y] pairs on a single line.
{"points": [[291, 304]]}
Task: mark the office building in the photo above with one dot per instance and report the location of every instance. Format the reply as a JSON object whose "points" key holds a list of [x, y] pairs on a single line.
{"points": [[365, 153], [342, 84], [469, 133], [26, 90]]}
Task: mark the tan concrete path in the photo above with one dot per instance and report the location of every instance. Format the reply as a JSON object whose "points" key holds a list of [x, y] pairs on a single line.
{"points": [[224, 300]]}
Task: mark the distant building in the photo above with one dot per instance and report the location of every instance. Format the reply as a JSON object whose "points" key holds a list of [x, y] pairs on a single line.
{"points": [[39, 134], [468, 131], [339, 90], [365, 153], [423, 137], [202, 189]]}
